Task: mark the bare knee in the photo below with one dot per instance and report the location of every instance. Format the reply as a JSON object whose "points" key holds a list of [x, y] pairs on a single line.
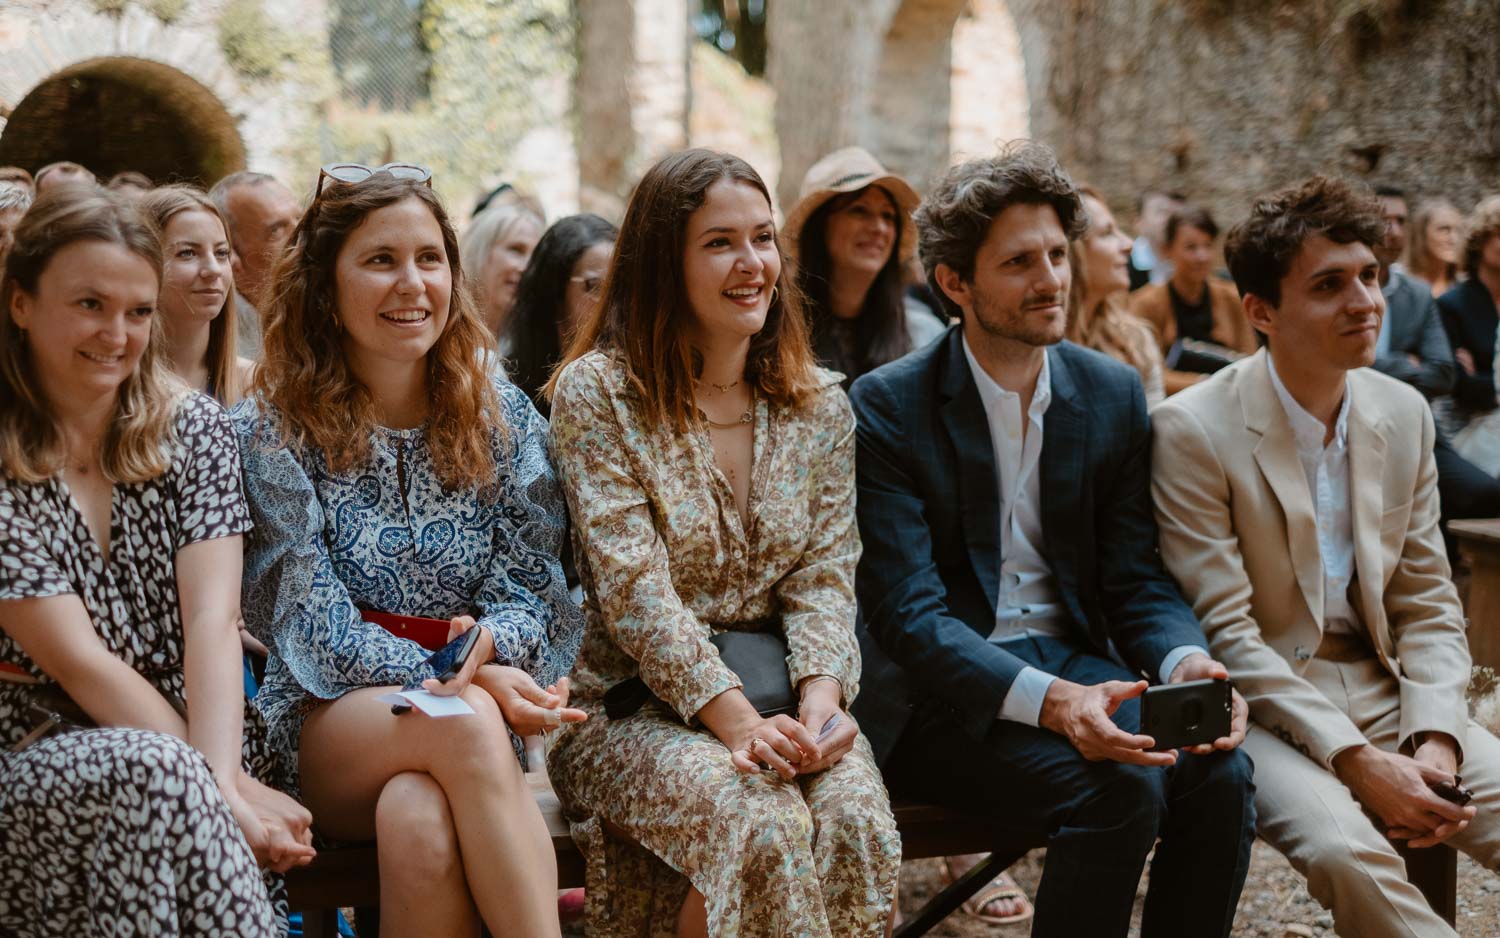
{"points": [[475, 744], [414, 828]]}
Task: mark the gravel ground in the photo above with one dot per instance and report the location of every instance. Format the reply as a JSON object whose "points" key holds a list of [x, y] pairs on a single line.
{"points": [[1275, 903]]}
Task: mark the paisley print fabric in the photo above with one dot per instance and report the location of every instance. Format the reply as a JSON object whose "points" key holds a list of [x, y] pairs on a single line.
{"points": [[665, 562], [388, 537], [83, 802]]}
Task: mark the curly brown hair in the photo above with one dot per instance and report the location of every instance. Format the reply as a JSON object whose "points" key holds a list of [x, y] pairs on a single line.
{"points": [[1483, 224], [644, 304], [304, 373], [1260, 249], [953, 221]]}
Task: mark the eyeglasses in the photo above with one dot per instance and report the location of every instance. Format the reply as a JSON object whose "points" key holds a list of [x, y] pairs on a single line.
{"points": [[591, 283], [355, 173]]}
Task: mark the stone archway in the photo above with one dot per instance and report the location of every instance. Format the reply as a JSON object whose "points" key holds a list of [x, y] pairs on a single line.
{"points": [[119, 113], [116, 90]]}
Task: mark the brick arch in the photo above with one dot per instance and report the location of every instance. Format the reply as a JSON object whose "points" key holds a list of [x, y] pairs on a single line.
{"points": [[126, 92]]}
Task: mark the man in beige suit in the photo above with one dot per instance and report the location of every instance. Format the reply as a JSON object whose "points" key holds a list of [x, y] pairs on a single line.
{"points": [[1297, 500]]}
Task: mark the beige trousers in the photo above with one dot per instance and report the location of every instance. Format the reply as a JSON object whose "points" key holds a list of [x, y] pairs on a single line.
{"points": [[1308, 814]]}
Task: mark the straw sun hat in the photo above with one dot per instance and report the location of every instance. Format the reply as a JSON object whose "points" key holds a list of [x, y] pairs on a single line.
{"points": [[850, 170]]}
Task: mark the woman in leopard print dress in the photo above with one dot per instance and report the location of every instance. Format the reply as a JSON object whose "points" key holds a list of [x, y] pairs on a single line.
{"points": [[120, 525]]}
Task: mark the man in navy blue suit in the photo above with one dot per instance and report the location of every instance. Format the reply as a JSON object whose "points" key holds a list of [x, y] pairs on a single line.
{"points": [[1010, 566]]}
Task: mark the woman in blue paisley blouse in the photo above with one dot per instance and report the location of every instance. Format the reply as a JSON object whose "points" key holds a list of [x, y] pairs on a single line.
{"points": [[386, 471], [709, 466]]}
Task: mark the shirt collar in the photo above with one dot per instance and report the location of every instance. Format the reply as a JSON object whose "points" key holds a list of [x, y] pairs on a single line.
{"points": [[1308, 429], [991, 393]]}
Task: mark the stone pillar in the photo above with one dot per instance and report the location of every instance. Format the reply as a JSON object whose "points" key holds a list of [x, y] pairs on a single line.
{"points": [[912, 90], [824, 59], [632, 93]]}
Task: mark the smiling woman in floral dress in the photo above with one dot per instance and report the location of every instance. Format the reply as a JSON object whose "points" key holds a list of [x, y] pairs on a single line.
{"points": [[709, 468]]}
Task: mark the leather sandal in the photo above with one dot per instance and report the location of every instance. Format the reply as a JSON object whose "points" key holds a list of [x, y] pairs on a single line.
{"points": [[1001, 887]]}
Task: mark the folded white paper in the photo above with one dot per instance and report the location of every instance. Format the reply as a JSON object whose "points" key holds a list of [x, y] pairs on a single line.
{"points": [[429, 703]]}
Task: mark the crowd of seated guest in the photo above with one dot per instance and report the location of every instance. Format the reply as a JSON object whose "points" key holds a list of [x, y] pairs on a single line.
{"points": [[828, 545]]}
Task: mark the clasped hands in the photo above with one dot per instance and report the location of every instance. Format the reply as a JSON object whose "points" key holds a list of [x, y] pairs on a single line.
{"points": [[1082, 714], [527, 707], [1397, 789], [788, 746]]}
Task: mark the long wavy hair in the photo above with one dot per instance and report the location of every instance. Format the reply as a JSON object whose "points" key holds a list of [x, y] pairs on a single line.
{"points": [[303, 371], [642, 315], [532, 326], [1419, 259], [1106, 326], [880, 335], [138, 442], [161, 205]]}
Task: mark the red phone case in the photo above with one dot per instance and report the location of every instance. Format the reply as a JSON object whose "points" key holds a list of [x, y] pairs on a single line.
{"points": [[431, 634]]}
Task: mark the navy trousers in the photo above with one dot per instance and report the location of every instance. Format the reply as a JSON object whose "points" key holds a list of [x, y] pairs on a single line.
{"points": [[1101, 819]]}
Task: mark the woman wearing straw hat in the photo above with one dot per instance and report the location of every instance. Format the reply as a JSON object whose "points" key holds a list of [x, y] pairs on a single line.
{"points": [[851, 235]]}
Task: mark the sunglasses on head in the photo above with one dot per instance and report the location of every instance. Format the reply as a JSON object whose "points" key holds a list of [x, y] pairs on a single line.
{"points": [[354, 173]]}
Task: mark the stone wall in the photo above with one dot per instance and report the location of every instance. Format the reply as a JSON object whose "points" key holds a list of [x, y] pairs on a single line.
{"points": [[1224, 99]]}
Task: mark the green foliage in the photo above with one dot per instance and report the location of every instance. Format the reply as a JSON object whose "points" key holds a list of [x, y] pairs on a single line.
{"points": [[168, 11], [252, 44], [110, 7], [490, 63]]}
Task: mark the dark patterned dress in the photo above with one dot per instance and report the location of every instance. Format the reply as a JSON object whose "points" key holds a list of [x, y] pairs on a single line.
{"points": [[388, 537], [123, 832]]}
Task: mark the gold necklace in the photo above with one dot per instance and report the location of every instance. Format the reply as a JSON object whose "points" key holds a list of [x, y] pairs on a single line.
{"points": [[725, 388], [744, 418]]}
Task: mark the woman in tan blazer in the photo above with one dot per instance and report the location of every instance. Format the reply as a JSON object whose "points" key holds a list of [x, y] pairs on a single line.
{"points": [[1193, 304]]}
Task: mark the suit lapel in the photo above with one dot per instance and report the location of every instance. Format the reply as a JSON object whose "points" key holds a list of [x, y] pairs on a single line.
{"points": [[1064, 456], [978, 505], [1367, 447], [1276, 457]]}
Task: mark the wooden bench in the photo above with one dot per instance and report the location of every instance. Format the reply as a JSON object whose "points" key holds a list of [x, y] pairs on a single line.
{"points": [[350, 876], [1480, 541]]}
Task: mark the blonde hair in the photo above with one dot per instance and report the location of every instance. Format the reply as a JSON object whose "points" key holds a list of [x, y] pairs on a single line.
{"points": [[1483, 224], [492, 226], [138, 442], [1418, 256], [1108, 326], [163, 204], [303, 371]]}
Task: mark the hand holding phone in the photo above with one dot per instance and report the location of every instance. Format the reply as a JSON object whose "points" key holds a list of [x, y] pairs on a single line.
{"points": [[1453, 791], [446, 664], [1190, 713]]}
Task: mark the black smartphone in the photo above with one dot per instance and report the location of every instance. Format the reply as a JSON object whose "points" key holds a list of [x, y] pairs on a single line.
{"points": [[1454, 791], [1188, 714], [446, 662]]}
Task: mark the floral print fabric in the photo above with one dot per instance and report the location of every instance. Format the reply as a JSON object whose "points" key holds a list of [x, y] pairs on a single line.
{"points": [[665, 562], [387, 536]]}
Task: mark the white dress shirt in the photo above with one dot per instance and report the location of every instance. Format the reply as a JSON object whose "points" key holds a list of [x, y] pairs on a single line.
{"points": [[1028, 602], [1327, 472]]}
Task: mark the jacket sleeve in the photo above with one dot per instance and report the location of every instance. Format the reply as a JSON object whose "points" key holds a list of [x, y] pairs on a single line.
{"points": [[816, 598], [293, 599], [900, 590], [1475, 392], [1425, 617], [1433, 374], [1146, 614], [1202, 550], [524, 601], [626, 556]]}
